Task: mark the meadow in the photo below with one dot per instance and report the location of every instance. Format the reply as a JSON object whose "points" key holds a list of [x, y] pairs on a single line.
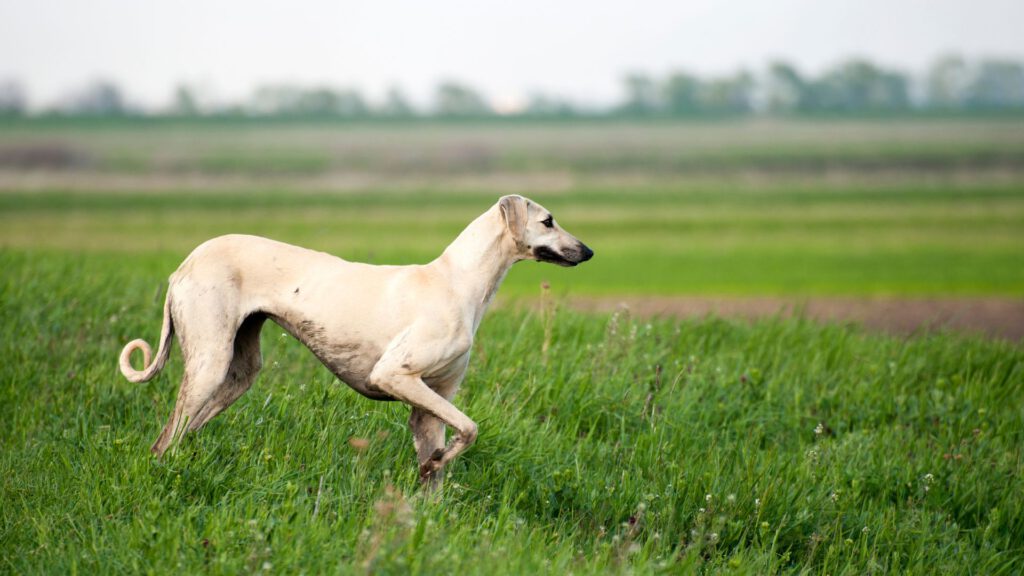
{"points": [[631, 445]]}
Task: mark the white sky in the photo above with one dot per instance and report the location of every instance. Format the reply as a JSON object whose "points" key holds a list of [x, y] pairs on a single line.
{"points": [[575, 48]]}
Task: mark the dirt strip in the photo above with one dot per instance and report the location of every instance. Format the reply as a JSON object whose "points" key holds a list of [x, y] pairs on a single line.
{"points": [[994, 317]]}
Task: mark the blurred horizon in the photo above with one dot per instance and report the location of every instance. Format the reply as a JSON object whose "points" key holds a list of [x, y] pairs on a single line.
{"points": [[223, 55], [854, 86]]}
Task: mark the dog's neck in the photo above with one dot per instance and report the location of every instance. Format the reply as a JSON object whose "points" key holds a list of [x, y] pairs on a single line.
{"points": [[478, 260]]}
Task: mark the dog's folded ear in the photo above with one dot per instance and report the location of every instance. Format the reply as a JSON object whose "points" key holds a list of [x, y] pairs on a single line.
{"points": [[513, 210]]}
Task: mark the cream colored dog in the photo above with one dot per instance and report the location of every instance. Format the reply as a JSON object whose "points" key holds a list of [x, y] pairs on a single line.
{"points": [[390, 332]]}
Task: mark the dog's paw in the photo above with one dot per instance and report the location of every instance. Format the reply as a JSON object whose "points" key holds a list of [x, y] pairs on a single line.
{"points": [[428, 468], [427, 471]]}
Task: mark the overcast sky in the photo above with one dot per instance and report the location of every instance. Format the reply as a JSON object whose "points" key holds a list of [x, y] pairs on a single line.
{"points": [[575, 48]]}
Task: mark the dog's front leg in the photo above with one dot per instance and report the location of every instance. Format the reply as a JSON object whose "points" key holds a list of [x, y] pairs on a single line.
{"points": [[413, 391]]}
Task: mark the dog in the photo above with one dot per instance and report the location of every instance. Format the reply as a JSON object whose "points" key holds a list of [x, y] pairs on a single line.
{"points": [[390, 332]]}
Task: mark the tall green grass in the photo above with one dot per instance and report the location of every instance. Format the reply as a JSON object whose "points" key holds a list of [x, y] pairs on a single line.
{"points": [[631, 446]]}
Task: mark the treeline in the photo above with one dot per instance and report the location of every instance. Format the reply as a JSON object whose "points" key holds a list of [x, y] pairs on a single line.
{"points": [[854, 87]]}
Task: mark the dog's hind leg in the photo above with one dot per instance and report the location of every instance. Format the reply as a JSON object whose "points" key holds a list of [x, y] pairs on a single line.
{"points": [[245, 364], [203, 378], [215, 376], [428, 437], [211, 334]]}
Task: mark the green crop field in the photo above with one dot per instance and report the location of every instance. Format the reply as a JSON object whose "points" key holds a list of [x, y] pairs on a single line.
{"points": [[908, 240], [897, 207], [632, 445]]}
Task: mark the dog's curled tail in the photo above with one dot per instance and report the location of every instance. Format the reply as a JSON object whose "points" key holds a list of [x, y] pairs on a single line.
{"points": [[149, 369]]}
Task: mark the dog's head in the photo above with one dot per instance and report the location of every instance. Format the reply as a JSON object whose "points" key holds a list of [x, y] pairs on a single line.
{"points": [[536, 234]]}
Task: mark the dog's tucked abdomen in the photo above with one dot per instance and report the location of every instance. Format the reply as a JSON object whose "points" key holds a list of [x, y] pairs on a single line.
{"points": [[350, 361]]}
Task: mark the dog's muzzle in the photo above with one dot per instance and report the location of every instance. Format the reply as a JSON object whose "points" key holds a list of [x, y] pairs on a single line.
{"points": [[567, 257]]}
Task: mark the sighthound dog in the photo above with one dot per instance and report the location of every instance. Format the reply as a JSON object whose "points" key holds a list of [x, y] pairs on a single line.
{"points": [[390, 332]]}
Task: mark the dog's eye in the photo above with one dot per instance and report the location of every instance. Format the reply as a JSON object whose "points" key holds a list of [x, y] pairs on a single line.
{"points": [[549, 221]]}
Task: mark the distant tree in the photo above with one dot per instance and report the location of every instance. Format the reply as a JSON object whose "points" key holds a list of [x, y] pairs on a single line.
{"points": [[314, 102], [946, 83], [785, 89], [457, 100], [681, 94], [727, 95], [350, 103], [13, 101], [293, 101], [98, 98], [996, 84], [544, 105], [397, 105], [642, 98], [893, 92], [273, 99], [859, 86], [185, 102]]}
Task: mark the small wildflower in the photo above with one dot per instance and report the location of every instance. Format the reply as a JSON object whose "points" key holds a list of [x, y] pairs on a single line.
{"points": [[700, 510], [731, 498], [713, 537], [707, 497], [757, 502], [834, 496], [864, 530], [927, 479], [819, 429]]}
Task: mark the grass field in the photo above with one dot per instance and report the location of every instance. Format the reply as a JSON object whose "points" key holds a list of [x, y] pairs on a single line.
{"points": [[634, 446], [889, 207], [905, 241], [637, 446]]}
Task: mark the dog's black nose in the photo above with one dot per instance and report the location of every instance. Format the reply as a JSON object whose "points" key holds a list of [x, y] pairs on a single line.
{"points": [[587, 252]]}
